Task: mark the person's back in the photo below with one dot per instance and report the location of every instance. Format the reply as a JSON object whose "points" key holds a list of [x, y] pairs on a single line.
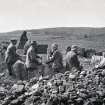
{"points": [[23, 39], [57, 59], [30, 58], [72, 60]]}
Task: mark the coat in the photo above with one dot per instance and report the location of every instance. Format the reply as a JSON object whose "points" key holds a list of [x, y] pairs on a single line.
{"points": [[11, 55], [71, 60], [31, 58], [56, 60]]}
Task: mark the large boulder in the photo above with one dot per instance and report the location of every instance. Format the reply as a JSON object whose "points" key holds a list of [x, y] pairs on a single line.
{"points": [[20, 70]]}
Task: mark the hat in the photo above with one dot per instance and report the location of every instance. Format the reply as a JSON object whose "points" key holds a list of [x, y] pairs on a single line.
{"points": [[33, 43], [68, 49], [54, 45], [74, 47], [13, 39]]}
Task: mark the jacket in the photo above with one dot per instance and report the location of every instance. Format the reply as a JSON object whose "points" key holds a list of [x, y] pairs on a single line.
{"points": [[72, 60], [56, 60], [10, 54], [31, 58]]}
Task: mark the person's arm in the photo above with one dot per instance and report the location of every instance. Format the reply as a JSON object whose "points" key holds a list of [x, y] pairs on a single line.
{"points": [[53, 57]]}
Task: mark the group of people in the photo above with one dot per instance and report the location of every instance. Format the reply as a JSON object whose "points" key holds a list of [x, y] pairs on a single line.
{"points": [[54, 58]]}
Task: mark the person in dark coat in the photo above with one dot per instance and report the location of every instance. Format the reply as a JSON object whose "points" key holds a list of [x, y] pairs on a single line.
{"points": [[22, 41], [27, 46], [11, 56], [72, 59], [68, 49], [55, 58]]}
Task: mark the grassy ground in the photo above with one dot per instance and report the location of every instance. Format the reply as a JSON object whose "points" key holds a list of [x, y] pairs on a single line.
{"points": [[64, 37]]}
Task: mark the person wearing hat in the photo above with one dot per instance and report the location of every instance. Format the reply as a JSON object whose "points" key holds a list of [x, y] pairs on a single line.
{"points": [[11, 56], [71, 59], [32, 59], [55, 59], [68, 49]]}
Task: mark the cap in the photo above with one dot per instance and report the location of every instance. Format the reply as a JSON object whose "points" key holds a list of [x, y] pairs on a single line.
{"points": [[74, 47], [68, 48], [13, 39], [54, 45], [33, 43]]}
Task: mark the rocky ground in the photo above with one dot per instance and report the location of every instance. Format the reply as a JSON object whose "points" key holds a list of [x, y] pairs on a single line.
{"points": [[70, 88]]}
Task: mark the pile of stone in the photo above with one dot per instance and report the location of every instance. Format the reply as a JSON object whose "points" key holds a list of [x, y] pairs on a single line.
{"points": [[70, 88]]}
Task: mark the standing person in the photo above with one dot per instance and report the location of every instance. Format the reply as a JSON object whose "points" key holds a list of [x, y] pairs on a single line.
{"points": [[32, 59], [55, 59], [26, 47], [11, 56], [68, 49], [22, 41], [72, 59]]}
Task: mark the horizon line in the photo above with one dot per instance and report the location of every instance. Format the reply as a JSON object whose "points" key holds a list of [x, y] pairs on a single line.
{"points": [[28, 29]]}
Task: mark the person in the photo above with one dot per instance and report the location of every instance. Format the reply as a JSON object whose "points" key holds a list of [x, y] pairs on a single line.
{"points": [[26, 47], [68, 49], [22, 41], [32, 59], [11, 56], [71, 59], [101, 64], [55, 58]]}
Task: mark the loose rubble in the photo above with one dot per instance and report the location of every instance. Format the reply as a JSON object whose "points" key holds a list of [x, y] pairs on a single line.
{"points": [[70, 88]]}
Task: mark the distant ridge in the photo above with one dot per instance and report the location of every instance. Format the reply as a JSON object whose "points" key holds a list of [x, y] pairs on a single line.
{"points": [[62, 31]]}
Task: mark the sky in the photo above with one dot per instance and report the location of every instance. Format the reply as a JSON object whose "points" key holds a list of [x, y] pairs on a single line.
{"points": [[35, 14]]}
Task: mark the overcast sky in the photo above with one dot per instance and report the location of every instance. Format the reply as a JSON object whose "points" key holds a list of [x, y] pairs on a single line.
{"points": [[27, 14]]}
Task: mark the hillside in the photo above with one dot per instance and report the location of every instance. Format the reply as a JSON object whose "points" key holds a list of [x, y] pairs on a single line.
{"points": [[64, 36], [62, 31]]}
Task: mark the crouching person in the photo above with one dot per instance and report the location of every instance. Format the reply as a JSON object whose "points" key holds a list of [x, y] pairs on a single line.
{"points": [[55, 59], [33, 66]]}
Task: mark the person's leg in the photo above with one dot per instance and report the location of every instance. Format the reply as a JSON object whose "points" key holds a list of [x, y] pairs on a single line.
{"points": [[41, 70], [27, 73], [9, 67], [30, 73]]}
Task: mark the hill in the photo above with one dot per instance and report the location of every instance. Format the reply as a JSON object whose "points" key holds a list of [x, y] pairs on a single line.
{"points": [[82, 36], [62, 31]]}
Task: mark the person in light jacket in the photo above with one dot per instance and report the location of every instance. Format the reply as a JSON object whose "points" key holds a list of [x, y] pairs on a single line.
{"points": [[33, 66], [11, 56], [32, 57]]}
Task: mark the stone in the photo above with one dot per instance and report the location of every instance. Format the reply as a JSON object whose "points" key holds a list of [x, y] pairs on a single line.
{"points": [[71, 76], [18, 89]]}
